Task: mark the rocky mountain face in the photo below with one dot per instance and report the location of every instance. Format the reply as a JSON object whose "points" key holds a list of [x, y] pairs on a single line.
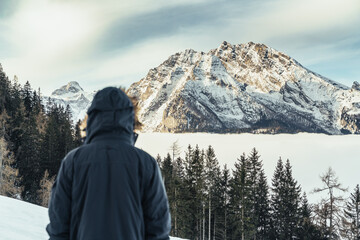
{"points": [[74, 96], [243, 88]]}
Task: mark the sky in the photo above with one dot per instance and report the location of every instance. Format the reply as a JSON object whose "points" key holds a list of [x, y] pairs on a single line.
{"points": [[115, 42]]}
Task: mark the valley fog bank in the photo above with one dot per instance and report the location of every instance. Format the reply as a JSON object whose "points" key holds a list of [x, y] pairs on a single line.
{"points": [[310, 154]]}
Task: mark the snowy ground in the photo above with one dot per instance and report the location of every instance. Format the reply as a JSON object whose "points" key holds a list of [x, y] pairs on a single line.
{"points": [[23, 221], [309, 154]]}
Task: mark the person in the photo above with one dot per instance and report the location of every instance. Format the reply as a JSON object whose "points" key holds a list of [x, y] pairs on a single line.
{"points": [[108, 189]]}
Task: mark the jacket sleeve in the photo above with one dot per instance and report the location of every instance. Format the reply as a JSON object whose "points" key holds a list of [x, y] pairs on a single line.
{"points": [[60, 204], [156, 207]]}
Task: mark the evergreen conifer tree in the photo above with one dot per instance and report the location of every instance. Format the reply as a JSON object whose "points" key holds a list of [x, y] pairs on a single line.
{"points": [[285, 202], [262, 209], [242, 227], [167, 175], [351, 219], [223, 226], [307, 229], [158, 160], [179, 211], [212, 180], [194, 183]]}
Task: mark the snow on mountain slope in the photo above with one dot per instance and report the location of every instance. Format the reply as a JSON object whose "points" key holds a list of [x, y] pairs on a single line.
{"points": [[74, 96], [243, 88], [23, 221]]}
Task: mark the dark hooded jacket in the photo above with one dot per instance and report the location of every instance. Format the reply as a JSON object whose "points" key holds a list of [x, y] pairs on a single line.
{"points": [[108, 189]]}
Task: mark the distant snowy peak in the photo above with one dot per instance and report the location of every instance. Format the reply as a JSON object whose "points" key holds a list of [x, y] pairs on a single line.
{"points": [[72, 94], [243, 88], [71, 87]]}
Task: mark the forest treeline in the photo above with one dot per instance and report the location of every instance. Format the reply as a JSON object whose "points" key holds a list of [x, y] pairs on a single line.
{"points": [[208, 202], [34, 138]]}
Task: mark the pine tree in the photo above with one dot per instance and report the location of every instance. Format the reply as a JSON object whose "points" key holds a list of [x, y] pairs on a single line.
{"points": [[57, 139], [158, 160], [5, 86], [212, 179], [285, 202], [78, 140], [179, 211], [67, 130], [225, 204], [307, 230], [194, 183], [258, 197], [262, 210], [167, 174], [242, 227], [26, 95], [292, 204], [351, 217]]}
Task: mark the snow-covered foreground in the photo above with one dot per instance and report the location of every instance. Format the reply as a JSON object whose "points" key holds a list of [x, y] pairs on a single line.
{"points": [[309, 154], [23, 221]]}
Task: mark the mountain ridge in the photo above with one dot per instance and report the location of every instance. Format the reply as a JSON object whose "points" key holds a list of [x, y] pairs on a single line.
{"points": [[243, 88], [72, 94]]}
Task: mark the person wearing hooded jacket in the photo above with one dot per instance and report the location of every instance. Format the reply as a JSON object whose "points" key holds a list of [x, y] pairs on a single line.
{"points": [[108, 189]]}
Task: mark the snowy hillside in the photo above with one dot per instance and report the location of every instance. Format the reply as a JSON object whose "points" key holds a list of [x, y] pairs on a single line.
{"points": [[243, 88], [74, 96], [23, 221]]}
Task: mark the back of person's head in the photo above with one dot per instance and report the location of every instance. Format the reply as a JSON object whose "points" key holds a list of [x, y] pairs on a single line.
{"points": [[111, 111]]}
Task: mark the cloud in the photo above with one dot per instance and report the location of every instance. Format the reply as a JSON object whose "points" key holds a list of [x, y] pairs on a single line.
{"points": [[50, 42], [165, 21], [8, 7], [47, 41]]}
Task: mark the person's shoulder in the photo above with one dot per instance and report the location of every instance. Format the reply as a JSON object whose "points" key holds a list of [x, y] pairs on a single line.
{"points": [[144, 156], [69, 157]]}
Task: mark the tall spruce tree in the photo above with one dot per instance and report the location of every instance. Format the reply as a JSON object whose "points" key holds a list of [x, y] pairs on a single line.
{"points": [[28, 158], [212, 179], [307, 229], [5, 86], [350, 228], [194, 183], [225, 204], [242, 225], [285, 202], [258, 197], [262, 208], [179, 211], [167, 172]]}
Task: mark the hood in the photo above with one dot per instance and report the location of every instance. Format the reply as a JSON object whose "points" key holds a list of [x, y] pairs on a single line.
{"points": [[111, 112]]}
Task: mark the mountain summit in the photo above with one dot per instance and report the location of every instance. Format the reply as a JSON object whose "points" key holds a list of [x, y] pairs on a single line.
{"points": [[73, 95], [243, 88], [71, 87]]}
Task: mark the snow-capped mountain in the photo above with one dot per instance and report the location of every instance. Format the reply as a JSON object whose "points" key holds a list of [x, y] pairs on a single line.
{"points": [[74, 96], [243, 88]]}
